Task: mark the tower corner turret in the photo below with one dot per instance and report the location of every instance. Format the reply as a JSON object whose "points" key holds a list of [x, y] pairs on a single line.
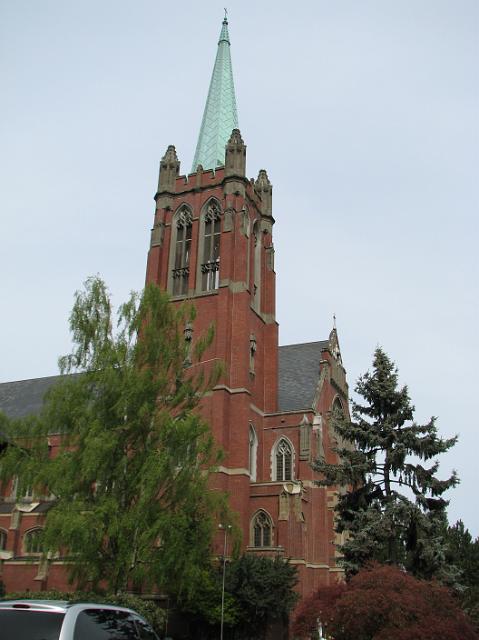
{"points": [[264, 189], [169, 171]]}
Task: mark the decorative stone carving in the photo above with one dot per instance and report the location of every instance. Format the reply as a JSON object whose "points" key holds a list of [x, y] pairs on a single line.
{"points": [[252, 352], [305, 439], [283, 506], [188, 334], [213, 211], [228, 223], [184, 218], [157, 234], [245, 222]]}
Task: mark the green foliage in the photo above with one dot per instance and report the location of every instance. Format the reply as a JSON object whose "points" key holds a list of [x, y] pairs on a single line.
{"points": [[381, 462], [258, 591], [263, 589], [463, 552], [132, 505], [146, 608]]}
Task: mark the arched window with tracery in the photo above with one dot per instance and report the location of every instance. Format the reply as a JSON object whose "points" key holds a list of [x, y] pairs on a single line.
{"points": [[262, 530], [181, 266], [283, 461], [253, 450], [32, 541], [210, 260]]}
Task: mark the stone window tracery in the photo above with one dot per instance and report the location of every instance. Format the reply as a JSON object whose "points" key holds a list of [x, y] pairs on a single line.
{"points": [[262, 530], [181, 267], [210, 265], [283, 461]]}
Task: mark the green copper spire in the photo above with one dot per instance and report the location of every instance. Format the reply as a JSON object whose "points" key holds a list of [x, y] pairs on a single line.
{"points": [[219, 117]]}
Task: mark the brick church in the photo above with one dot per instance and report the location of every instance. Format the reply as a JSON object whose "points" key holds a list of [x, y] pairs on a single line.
{"points": [[212, 244]]}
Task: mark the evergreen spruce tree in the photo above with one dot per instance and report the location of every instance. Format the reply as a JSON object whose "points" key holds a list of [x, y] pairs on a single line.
{"points": [[463, 552], [392, 509], [131, 505]]}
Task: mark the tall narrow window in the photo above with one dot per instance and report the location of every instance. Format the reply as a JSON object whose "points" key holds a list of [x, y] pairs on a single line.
{"points": [[253, 448], [257, 248], [262, 530], [181, 269], [210, 267], [283, 460]]}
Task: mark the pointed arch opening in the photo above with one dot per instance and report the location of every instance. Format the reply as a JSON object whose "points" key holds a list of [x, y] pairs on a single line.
{"points": [[282, 460], [32, 541], [261, 531], [208, 273], [180, 251]]}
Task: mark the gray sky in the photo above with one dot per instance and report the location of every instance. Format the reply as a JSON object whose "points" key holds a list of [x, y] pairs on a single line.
{"points": [[365, 115]]}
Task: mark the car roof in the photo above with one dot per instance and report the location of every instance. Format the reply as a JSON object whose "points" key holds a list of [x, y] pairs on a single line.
{"points": [[56, 606]]}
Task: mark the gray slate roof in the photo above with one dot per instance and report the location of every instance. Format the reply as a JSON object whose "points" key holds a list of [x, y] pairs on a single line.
{"points": [[25, 397], [299, 374], [298, 377]]}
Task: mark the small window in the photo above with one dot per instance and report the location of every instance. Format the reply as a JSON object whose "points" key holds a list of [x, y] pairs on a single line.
{"points": [[253, 449], [32, 541], [210, 265], [262, 530], [283, 461]]}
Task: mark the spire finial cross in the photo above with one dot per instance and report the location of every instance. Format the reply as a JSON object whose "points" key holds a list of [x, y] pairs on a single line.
{"points": [[226, 15], [334, 321]]}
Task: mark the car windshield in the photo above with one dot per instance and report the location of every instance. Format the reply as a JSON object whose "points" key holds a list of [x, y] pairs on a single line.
{"points": [[28, 624]]}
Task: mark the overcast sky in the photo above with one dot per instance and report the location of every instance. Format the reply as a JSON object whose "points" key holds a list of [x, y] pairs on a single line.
{"points": [[365, 115]]}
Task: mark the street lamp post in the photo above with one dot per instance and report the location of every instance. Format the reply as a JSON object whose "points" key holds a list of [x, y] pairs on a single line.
{"points": [[225, 528]]}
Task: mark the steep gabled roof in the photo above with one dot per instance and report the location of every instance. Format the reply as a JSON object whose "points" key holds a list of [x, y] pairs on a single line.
{"points": [[299, 374]]}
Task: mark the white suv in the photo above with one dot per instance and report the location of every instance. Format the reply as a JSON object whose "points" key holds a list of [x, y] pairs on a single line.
{"points": [[61, 620]]}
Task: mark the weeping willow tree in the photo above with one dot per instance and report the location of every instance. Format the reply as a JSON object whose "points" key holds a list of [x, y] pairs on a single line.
{"points": [[129, 483], [394, 510]]}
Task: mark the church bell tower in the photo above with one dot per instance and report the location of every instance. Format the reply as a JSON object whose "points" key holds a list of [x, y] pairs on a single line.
{"points": [[212, 244]]}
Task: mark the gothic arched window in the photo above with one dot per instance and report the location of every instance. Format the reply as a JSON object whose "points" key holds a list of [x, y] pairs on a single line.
{"points": [[31, 541], [338, 409], [283, 461], [262, 530], [253, 448], [210, 262], [181, 265]]}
